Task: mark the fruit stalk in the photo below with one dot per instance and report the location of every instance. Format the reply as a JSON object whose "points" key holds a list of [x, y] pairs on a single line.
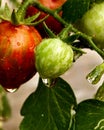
{"points": [[92, 44], [54, 13]]}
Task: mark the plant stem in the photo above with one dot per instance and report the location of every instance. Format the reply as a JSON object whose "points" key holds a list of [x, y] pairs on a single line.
{"points": [[65, 32], [22, 9], [51, 12], [92, 44]]}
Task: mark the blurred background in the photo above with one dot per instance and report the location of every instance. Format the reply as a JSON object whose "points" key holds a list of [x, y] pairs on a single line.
{"points": [[76, 77]]}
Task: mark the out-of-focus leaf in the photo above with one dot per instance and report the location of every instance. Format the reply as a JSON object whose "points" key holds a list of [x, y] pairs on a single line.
{"points": [[5, 109], [5, 13], [74, 9]]}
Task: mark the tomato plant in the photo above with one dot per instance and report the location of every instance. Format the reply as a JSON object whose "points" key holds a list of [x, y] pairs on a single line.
{"points": [[53, 105]]}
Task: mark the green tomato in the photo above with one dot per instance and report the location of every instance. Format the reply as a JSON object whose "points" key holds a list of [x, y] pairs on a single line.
{"points": [[53, 58], [92, 23]]}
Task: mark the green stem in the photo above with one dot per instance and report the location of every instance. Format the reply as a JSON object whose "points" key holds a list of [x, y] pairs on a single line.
{"points": [[65, 32], [48, 31], [54, 13], [22, 9], [92, 44]]}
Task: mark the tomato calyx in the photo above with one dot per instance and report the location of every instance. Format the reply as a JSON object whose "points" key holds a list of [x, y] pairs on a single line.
{"points": [[17, 15]]}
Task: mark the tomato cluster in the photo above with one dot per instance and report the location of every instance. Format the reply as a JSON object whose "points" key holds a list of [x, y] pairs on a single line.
{"points": [[18, 47], [25, 49]]}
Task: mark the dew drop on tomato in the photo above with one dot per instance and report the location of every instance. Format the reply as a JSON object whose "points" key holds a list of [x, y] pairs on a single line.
{"points": [[11, 90]]}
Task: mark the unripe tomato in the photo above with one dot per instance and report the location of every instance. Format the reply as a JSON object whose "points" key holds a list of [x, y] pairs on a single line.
{"points": [[92, 23], [17, 44], [53, 58]]}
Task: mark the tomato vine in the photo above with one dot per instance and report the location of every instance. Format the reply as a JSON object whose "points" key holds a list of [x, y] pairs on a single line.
{"points": [[23, 52]]}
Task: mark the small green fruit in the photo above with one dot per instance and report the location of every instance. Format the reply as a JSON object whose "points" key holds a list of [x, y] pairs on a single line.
{"points": [[92, 23], [53, 58]]}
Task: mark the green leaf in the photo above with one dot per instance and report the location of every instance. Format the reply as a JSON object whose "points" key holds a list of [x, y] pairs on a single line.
{"points": [[90, 115], [5, 13], [95, 75], [5, 109], [100, 93], [21, 11], [74, 9], [32, 18], [49, 108]]}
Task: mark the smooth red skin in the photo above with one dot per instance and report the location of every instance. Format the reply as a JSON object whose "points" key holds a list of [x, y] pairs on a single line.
{"points": [[17, 44], [51, 22]]}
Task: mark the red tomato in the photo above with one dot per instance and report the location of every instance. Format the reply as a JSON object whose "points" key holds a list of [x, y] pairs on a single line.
{"points": [[17, 44], [53, 4]]}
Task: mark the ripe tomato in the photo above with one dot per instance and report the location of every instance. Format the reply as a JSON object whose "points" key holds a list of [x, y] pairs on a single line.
{"points": [[51, 22], [52, 4], [17, 45]]}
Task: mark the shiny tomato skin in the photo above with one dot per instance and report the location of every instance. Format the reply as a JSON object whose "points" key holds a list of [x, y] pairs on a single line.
{"points": [[53, 58], [17, 44], [51, 22]]}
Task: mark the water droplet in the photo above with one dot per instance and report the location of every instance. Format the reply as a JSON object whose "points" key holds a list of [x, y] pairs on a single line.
{"points": [[90, 80], [49, 82], [11, 90], [46, 82]]}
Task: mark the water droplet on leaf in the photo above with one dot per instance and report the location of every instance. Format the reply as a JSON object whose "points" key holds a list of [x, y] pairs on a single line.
{"points": [[45, 81], [49, 82]]}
